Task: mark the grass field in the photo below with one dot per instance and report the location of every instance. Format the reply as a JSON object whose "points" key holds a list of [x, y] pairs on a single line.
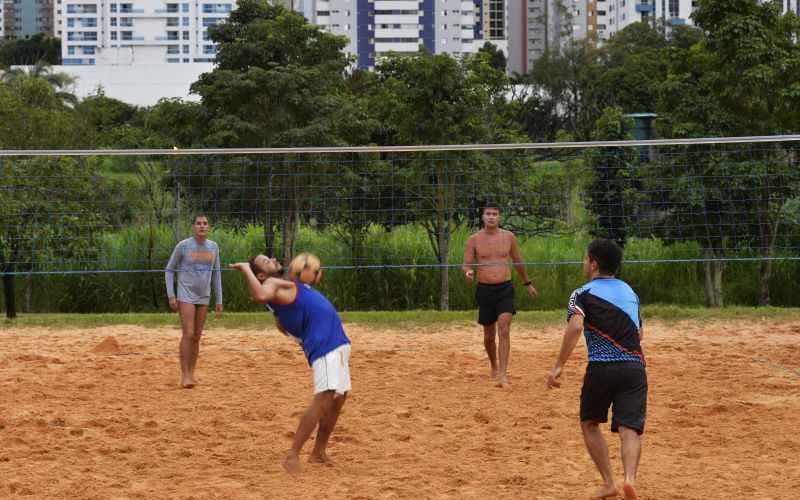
{"points": [[90, 409], [238, 320]]}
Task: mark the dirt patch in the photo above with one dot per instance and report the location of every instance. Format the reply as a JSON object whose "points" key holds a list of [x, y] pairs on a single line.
{"points": [[109, 345]]}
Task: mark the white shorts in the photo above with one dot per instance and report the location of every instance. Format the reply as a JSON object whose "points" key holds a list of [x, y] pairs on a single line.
{"points": [[332, 371]]}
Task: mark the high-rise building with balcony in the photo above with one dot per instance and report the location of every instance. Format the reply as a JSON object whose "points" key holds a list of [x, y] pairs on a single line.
{"points": [[536, 26], [377, 27], [138, 31], [24, 18]]}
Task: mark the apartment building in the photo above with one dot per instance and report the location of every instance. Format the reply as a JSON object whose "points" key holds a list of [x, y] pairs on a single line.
{"points": [[138, 31], [24, 18], [377, 27], [540, 25]]}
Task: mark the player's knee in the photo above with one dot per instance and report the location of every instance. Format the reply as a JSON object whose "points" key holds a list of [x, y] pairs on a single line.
{"points": [[589, 425], [325, 400], [191, 336]]}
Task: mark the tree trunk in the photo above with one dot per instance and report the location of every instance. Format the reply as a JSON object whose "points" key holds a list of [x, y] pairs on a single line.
{"points": [[767, 235], [444, 260], [713, 271], [8, 285], [8, 290], [151, 243], [764, 274], [269, 224], [768, 238], [289, 233], [28, 292], [269, 237]]}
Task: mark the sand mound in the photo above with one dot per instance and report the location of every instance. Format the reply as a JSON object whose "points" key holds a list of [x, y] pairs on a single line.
{"points": [[109, 345]]}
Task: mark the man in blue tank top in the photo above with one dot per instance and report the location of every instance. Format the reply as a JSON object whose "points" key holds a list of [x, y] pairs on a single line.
{"points": [[606, 311], [307, 316]]}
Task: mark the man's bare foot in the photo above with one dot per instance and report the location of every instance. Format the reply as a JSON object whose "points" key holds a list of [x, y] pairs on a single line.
{"points": [[605, 491], [503, 382], [187, 382], [320, 458], [291, 462], [630, 492], [493, 376]]}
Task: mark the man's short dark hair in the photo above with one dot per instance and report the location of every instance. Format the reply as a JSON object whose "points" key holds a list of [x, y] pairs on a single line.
{"points": [[197, 216], [490, 204], [607, 254]]}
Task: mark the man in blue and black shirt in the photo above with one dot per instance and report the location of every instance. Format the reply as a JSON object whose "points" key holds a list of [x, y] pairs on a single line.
{"points": [[606, 311]]}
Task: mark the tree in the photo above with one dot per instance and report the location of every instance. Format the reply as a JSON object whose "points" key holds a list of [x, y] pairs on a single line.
{"points": [[565, 79], [105, 114], [740, 75], [279, 82], [27, 185], [30, 51], [754, 61], [27, 83], [496, 58], [436, 99], [612, 190]]}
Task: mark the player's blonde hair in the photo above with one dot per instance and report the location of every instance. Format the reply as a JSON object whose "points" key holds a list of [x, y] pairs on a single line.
{"points": [[306, 267]]}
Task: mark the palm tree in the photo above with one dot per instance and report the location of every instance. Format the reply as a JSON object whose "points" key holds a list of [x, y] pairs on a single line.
{"points": [[19, 77]]}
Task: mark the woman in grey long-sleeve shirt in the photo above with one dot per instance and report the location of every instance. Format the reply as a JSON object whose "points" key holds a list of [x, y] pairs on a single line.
{"points": [[196, 262]]}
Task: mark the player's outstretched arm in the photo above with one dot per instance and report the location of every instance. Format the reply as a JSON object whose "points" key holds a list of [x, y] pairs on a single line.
{"points": [[571, 336]]}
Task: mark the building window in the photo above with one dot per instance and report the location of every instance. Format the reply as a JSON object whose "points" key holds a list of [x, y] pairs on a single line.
{"points": [[185, 35], [113, 35]]}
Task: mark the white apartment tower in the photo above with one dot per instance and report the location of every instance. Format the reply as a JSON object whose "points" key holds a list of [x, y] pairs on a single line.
{"points": [[138, 31], [539, 25], [377, 27], [614, 15]]}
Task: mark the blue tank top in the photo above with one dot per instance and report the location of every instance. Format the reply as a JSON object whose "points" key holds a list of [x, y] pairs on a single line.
{"points": [[313, 321]]}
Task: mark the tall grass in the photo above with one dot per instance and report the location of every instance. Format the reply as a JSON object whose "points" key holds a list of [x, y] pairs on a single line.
{"points": [[390, 289]]}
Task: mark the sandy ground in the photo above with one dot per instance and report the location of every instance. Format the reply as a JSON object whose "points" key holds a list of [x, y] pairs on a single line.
{"points": [[97, 414]]}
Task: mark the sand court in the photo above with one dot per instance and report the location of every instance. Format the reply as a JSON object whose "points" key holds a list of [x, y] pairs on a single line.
{"points": [[98, 414]]}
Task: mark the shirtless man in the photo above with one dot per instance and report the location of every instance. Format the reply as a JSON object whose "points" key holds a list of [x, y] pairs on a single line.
{"points": [[491, 248]]}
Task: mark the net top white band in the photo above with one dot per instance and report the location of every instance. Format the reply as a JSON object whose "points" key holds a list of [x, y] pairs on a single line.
{"points": [[389, 149]]}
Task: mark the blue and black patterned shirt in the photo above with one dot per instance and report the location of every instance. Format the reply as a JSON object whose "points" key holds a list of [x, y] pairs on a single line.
{"points": [[611, 320]]}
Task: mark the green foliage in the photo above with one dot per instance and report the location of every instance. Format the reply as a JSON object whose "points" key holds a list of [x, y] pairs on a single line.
{"points": [[30, 51], [613, 190], [390, 288]]}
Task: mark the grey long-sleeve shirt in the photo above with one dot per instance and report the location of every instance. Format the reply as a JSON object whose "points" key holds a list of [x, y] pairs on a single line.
{"points": [[195, 263]]}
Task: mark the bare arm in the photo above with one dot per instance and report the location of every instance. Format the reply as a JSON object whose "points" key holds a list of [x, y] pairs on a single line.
{"points": [[570, 340], [516, 259], [216, 277], [469, 259], [259, 292]]}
